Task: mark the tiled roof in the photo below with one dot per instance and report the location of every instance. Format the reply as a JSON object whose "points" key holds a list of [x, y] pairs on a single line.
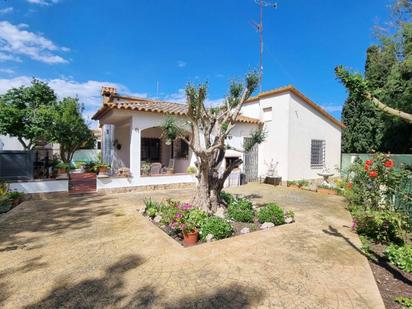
{"points": [[301, 96], [154, 106]]}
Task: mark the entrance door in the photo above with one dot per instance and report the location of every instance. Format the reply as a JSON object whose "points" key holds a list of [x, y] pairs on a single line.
{"points": [[251, 163]]}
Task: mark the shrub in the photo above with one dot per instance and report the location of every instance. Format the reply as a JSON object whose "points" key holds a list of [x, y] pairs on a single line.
{"points": [[400, 256], [226, 197], [216, 226], [241, 210], [381, 226], [406, 302], [14, 195], [197, 217], [152, 208], [271, 213]]}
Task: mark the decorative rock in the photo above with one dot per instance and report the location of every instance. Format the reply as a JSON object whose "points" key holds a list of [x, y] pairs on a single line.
{"points": [[267, 225], [289, 220], [142, 210], [245, 230], [220, 212], [209, 238], [157, 219]]}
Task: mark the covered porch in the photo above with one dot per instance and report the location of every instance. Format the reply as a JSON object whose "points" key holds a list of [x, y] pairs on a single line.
{"points": [[134, 142]]}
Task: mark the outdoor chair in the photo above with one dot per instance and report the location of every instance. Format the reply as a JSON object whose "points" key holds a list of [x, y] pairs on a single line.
{"points": [[155, 168]]}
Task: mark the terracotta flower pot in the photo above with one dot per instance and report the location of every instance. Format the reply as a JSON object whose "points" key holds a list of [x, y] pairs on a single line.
{"points": [[61, 171], [191, 238], [102, 170]]}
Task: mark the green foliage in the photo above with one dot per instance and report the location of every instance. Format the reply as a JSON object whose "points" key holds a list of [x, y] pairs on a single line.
{"points": [[406, 302], [191, 170], [271, 213], [388, 71], [22, 112], [256, 137], [14, 195], [68, 128], [382, 226], [171, 129], [197, 217], [4, 187], [226, 197], [374, 182], [216, 226], [241, 210], [400, 256], [152, 208]]}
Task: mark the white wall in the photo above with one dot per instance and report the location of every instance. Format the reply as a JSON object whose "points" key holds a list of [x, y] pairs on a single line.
{"points": [[275, 147], [10, 143], [121, 157], [306, 124], [46, 186]]}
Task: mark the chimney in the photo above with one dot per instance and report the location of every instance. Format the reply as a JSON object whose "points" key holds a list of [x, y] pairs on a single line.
{"points": [[107, 93]]}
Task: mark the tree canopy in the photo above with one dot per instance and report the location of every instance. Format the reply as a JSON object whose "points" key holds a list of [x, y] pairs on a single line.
{"points": [[20, 112], [377, 113], [68, 128]]}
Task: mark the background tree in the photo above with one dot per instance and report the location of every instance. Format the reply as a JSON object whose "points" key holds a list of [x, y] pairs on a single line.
{"points": [[208, 130], [68, 128], [20, 109], [377, 113]]}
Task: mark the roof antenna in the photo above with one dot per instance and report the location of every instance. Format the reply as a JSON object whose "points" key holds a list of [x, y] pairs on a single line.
{"points": [[259, 27]]}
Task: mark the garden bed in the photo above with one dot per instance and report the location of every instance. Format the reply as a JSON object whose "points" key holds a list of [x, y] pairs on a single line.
{"points": [[239, 217], [391, 281]]}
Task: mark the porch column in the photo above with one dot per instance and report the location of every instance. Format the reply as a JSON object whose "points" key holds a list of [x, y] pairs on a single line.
{"points": [[135, 148]]}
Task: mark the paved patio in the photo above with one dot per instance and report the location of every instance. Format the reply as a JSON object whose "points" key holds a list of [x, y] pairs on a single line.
{"points": [[99, 252]]}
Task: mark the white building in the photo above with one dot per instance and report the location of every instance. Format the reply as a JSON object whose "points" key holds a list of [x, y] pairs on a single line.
{"points": [[302, 138], [10, 143]]}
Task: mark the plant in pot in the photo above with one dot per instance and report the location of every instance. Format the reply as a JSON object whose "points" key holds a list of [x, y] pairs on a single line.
{"points": [[102, 168], [145, 168], [62, 168]]}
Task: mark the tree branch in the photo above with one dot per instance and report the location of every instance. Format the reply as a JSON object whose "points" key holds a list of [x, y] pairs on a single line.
{"points": [[391, 111]]}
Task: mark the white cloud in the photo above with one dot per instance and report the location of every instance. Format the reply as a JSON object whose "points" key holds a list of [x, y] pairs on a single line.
{"points": [[6, 71], [88, 92], [181, 64], [43, 2], [16, 41], [6, 10]]}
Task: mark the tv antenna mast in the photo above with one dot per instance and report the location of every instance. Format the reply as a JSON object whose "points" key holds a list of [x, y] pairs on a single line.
{"points": [[259, 26]]}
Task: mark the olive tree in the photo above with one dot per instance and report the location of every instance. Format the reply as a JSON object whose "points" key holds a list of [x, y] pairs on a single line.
{"points": [[206, 133]]}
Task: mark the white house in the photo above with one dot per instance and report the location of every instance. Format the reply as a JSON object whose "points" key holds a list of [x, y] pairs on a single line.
{"points": [[302, 138]]}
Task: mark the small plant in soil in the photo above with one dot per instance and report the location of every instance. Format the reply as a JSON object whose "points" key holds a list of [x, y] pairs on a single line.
{"points": [[271, 213]]}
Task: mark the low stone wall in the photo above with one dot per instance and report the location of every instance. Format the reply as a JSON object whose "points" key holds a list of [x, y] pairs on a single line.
{"points": [[185, 186]]}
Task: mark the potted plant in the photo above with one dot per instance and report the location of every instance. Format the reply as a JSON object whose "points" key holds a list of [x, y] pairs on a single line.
{"points": [[62, 168], [145, 168], [190, 234], [102, 168]]}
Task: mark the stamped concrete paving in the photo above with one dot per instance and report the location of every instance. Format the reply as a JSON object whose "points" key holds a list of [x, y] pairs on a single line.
{"points": [[99, 252]]}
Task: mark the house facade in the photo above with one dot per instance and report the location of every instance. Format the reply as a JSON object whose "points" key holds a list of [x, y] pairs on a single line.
{"points": [[302, 139]]}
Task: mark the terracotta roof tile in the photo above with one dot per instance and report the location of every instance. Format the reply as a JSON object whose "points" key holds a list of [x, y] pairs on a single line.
{"points": [[147, 105]]}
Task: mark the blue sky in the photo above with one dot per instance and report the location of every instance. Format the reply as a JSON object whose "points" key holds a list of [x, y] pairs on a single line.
{"points": [[77, 46]]}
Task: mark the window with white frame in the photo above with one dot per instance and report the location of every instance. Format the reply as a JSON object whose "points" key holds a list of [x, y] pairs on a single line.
{"points": [[317, 153]]}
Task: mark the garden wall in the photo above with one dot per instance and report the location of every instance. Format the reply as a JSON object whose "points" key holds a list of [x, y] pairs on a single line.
{"points": [[349, 158]]}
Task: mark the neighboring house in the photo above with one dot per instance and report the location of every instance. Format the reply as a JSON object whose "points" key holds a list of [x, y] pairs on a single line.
{"points": [[302, 138]]}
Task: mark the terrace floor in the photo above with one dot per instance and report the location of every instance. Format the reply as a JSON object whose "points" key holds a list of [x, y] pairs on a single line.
{"points": [[97, 251]]}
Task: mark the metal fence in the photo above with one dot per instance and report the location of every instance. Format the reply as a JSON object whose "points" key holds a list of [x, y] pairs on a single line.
{"points": [[16, 165], [348, 158]]}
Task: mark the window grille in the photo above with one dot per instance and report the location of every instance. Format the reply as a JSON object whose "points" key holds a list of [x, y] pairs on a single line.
{"points": [[317, 153]]}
